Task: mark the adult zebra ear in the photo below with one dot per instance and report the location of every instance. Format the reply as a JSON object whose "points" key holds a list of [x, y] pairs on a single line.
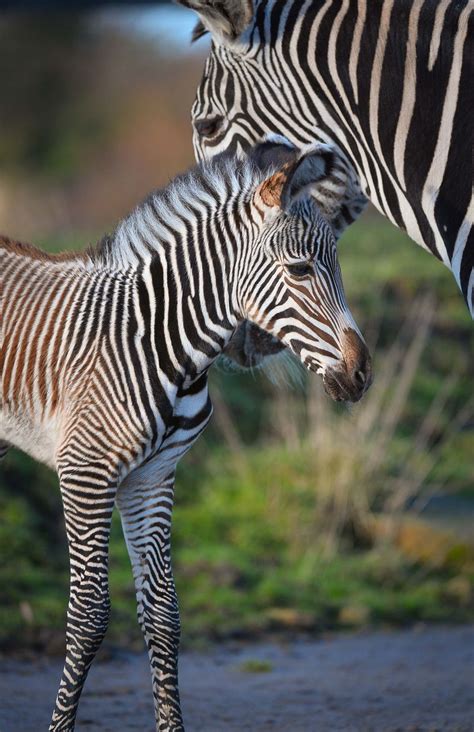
{"points": [[226, 20], [300, 173]]}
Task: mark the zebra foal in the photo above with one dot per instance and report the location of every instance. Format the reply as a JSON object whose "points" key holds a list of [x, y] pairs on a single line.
{"points": [[104, 360]]}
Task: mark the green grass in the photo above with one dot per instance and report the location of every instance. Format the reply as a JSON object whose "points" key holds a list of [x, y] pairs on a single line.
{"points": [[256, 666], [277, 529], [243, 568]]}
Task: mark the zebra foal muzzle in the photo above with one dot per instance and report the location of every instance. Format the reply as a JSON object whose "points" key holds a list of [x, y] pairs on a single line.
{"points": [[349, 381]]}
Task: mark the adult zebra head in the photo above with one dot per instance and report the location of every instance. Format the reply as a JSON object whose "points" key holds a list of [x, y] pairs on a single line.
{"points": [[244, 93], [388, 83]]}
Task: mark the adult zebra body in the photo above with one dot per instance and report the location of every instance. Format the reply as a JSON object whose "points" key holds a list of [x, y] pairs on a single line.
{"points": [[388, 81], [104, 358]]}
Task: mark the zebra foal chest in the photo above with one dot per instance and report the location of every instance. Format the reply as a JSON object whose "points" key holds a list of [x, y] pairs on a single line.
{"points": [[37, 440], [191, 414]]}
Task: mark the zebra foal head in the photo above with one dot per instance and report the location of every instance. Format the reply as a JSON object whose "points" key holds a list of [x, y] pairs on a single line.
{"points": [[291, 286]]}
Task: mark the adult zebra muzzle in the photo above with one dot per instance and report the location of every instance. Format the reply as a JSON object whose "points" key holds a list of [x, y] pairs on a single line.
{"points": [[349, 381]]}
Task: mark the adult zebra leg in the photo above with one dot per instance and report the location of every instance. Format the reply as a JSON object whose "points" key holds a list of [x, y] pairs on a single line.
{"points": [[88, 505], [146, 511]]}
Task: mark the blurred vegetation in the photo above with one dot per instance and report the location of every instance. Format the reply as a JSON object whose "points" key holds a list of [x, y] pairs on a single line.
{"points": [[292, 514], [92, 119]]}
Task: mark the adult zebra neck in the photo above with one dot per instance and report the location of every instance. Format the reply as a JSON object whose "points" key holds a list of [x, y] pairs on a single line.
{"points": [[389, 81]]}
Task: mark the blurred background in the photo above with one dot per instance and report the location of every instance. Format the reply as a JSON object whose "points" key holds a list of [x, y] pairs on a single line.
{"points": [[292, 514]]}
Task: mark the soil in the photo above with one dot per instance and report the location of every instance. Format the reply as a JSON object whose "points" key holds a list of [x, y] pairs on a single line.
{"points": [[418, 680]]}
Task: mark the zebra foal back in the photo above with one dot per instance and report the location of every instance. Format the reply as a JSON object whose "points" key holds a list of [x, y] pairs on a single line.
{"points": [[48, 343]]}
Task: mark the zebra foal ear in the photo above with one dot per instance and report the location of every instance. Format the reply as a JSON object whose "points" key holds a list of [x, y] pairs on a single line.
{"points": [[275, 151], [299, 174], [226, 20], [307, 174]]}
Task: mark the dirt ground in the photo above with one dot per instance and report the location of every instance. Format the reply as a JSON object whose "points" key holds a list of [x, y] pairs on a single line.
{"points": [[406, 681]]}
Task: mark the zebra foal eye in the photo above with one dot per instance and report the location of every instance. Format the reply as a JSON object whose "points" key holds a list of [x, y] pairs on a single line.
{"points": [[301, 269], [208, 126]]}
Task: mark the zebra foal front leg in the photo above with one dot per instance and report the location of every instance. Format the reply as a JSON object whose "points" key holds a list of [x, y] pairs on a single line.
{"points": [[88, 505], [146, 518]]}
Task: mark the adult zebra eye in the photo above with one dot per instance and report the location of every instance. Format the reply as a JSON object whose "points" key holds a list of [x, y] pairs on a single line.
{"points": [[209, 126], [301, 269]]}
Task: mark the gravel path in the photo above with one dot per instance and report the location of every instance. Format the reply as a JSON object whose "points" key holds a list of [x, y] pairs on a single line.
{"points": [[405, 681]]}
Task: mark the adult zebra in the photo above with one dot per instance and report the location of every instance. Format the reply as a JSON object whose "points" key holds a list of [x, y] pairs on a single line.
{"points": [[104, 357], [389, 81]]}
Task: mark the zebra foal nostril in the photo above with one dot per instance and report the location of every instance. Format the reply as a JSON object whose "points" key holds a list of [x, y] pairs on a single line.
{"points": [[361, 374], [351, 379], [347, 385], [363, 379], [360, 378]]}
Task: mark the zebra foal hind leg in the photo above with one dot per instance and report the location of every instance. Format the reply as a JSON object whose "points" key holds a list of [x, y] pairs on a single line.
{"points": [[88, 500], [145, 510]]}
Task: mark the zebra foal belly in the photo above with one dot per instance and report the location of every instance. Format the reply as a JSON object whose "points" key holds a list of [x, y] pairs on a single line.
{"points": [[37, 440]]}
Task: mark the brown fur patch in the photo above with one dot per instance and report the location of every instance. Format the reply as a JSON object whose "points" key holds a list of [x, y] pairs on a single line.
{"points": [[28, 250], [270, 190], [353, 349], [248, 14]]}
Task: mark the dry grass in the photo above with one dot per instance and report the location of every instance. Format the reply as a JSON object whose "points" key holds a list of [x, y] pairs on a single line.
{"points": [[350, 459]]}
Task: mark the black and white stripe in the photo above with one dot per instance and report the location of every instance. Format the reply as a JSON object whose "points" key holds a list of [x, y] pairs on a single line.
{"points": [[390, 82]]}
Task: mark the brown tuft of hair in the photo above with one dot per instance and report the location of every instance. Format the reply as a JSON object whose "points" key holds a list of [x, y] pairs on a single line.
{"points": [[271, 189], [29, 250]]}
